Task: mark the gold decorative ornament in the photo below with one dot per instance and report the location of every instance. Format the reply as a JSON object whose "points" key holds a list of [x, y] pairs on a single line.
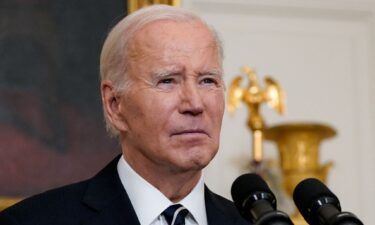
{"points": [[134, 5], [5, 202], [298, 145], [254, 96]]}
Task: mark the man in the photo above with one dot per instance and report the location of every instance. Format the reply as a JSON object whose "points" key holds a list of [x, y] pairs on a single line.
{"points": [[163, 96]]}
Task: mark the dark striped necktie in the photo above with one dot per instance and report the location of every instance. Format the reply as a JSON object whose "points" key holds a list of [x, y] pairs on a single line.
{"points": [[175, 214]]}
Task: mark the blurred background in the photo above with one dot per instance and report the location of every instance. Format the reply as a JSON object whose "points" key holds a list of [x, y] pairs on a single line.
{"points": [[320, 52], [51, 123]]}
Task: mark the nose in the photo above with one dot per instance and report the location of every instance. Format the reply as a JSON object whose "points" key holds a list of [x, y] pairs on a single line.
{"points": [[191, 99]]}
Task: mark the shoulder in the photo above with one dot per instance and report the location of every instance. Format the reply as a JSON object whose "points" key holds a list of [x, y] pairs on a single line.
{"points": [[69, 204], [47, 207]]}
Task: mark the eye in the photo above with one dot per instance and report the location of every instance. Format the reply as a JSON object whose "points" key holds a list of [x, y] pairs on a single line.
{"points": [[209, 81], [166, 81]]}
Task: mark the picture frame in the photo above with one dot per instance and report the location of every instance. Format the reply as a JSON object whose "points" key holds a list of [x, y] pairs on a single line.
{"points": [[52, 130], [133, 5]]}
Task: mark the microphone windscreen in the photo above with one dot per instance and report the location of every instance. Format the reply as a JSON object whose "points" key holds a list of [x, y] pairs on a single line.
{"points": [[246, 185], [307, 192]]}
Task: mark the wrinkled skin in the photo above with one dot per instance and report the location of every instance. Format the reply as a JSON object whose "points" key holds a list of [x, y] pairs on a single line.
{"points": [[170, 117]]}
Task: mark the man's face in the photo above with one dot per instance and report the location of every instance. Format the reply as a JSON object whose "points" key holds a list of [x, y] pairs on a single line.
{"points": [[173, 110]]}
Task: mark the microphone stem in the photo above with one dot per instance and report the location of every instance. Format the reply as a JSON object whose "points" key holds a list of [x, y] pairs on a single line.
{"points": [[260, 208]]}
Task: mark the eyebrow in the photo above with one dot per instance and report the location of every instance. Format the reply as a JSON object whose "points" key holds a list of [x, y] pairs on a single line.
{"points": [[167, 71], [173, 70], [213, 72]]}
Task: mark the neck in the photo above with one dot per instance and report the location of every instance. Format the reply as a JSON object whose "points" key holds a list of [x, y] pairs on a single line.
{"points": [[175, 185]]}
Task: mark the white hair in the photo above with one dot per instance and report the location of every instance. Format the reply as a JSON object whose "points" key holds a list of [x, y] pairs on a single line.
{"points": [[114, 55]]}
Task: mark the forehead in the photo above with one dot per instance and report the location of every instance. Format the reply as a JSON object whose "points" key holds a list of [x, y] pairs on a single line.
{"points": [[171, 34]]}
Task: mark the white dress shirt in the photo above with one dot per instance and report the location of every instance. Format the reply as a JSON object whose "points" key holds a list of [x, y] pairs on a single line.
{"points": [[148, 202]]}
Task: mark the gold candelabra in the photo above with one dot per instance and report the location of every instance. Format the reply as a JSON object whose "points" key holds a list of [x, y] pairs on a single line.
{"points": [[253, 96], [298, 143]]}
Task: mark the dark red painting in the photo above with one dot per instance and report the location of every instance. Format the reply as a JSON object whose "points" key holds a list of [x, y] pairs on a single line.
{"points": [[51, 123]]}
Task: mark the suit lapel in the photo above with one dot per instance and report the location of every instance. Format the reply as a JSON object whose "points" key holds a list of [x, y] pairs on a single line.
{"points": [[108, 201], [215, 212], [220, 211]]}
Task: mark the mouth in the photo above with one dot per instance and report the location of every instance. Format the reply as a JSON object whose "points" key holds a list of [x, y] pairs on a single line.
{"points": [[190, 132]]}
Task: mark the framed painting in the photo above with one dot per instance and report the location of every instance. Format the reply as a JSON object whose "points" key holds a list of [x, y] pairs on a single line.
{"points": [[51, 124]]}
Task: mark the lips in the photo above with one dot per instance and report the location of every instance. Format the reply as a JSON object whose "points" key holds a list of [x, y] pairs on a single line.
{"points": [[190, 132]]}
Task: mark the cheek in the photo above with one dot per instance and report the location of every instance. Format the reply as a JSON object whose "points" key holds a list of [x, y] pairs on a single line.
{"points": [[157, 110], [133, 111], [217, 107]]}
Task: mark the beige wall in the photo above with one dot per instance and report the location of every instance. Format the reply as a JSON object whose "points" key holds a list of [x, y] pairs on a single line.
{"points": [[322, 53]]}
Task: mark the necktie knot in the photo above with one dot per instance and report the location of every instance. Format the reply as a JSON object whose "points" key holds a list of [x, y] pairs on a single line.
{"points": [[175, 214]]}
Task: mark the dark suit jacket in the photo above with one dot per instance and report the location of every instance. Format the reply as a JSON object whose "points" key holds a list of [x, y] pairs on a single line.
{"points": [[101, 200]]}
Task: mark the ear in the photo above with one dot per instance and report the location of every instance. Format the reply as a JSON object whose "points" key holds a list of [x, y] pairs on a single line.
{"points": [[112, 106]]}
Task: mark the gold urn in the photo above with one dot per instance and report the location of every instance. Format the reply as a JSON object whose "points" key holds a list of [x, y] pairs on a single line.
{"points": [[298, 145]]}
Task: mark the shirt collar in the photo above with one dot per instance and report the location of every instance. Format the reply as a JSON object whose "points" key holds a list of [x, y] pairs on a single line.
{"points": [[148, 202], [195, 203]]}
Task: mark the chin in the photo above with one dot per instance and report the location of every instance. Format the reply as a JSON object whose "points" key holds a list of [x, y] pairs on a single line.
{"points": [[193, 167], [192, 164], [194, 158], [200, 161]]}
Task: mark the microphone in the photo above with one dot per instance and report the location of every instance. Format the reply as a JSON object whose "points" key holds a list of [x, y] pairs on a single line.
{"points": [[256, 202], [319, 206]]}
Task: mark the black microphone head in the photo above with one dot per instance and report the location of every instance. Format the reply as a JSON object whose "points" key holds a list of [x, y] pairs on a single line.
{"points": [[310, 194], [247, 185]]}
